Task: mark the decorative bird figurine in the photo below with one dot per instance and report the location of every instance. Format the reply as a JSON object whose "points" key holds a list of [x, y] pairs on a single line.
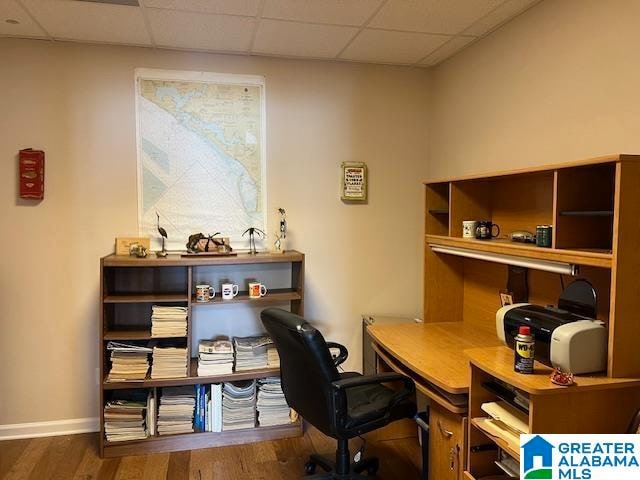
{"points": [[163, 233]]}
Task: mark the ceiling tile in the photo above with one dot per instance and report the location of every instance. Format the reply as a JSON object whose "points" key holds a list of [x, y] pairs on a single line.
{"points": [[500, 15], [228, 7], [300, 39], [26, 27], [200, 31], [88, 21], [381, 46], [338, 12], [447, 50], [432, 16]]}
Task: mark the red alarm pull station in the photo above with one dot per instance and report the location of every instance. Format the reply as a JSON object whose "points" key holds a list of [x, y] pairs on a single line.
{"points": [[31, 174]]}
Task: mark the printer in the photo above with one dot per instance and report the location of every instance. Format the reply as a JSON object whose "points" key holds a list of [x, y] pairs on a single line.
{"points": [[564, 337]]}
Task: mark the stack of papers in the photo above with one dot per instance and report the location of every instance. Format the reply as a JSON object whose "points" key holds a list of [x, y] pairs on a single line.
{"points": [[273, 359], [125, 419], [128, 362], [168, 321], [169, 362], [238, 405], [215, 357], [272, 406], [176, 410], [251, 352]]}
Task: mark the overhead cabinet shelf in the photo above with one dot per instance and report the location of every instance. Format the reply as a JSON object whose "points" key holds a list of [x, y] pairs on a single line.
{"points": [[589, 257], [593, 207]]}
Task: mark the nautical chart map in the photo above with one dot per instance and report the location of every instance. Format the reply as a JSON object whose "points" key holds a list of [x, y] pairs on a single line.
{"points": [[200, 154]]}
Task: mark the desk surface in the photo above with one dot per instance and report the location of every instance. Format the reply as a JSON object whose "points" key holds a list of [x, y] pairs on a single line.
{"points": [[434, 351]]}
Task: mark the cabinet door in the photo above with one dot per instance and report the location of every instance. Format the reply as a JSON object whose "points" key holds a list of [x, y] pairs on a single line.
{"points": [[446, 444]]}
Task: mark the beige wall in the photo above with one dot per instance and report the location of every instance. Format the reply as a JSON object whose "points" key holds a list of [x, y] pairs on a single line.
{"points": [[77, 103], [560, 82]]}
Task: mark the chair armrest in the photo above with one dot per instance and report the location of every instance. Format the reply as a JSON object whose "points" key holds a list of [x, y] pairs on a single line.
{"points": [[345, 383], [344, 353]]}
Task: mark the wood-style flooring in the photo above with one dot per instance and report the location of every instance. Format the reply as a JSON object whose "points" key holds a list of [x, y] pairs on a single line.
{"points": [[76, 457]]}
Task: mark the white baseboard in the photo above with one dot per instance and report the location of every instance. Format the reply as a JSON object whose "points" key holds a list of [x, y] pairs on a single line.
{"points": [[49, 429]]}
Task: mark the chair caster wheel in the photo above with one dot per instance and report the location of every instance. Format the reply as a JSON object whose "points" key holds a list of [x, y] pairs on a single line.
{"points": [[310, 468]]}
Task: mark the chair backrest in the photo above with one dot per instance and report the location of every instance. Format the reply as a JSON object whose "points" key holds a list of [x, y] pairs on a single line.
{"points": [[306, 366]]}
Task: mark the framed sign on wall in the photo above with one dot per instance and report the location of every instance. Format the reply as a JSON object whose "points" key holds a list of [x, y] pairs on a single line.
{"points": [[353, 186]]}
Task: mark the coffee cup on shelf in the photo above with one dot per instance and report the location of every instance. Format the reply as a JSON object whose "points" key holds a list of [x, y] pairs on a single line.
{"points": [[257, 290], [228, 291], [469, 228], [204, 293]]}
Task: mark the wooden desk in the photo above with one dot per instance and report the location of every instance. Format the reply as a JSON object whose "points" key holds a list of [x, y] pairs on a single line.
{"points": [[433, 351], [432, 354]]}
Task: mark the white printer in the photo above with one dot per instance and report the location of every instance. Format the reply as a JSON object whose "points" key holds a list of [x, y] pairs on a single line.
{"points": [[564, 337]]}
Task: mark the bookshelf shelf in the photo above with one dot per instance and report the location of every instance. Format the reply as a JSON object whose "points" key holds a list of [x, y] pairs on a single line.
{"points": [[147, 298], [129, 286], [193, 378], [188, 441], [273, 296]]}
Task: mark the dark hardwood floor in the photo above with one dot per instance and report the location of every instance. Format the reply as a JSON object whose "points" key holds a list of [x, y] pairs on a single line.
{"points": [[76, 457]]}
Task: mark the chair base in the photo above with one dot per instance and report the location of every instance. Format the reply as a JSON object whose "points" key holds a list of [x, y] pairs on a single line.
{"points": [[366, 465]]}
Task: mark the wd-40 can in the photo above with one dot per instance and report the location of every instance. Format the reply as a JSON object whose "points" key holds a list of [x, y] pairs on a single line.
{"points": [[525, 350]]}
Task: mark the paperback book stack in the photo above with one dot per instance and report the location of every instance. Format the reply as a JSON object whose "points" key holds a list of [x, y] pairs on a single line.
{"points": [[169, 362], [251, 352], [128, 362], [273, 359], [238, 405], [272, 406], [215, 357], [168, 321], [125, 419], [176, 410]]}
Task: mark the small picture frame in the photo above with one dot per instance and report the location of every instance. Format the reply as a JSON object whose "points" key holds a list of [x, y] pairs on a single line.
{"points": [[506, 298], [353, 186]]}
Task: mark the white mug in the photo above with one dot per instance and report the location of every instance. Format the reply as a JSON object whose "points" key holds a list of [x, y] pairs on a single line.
{"points": [[257, 290], [469, 228], [229, 290], [204, 293]]}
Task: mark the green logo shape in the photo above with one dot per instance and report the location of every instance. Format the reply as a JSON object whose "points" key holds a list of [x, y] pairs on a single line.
{"points": [[540, 473]]}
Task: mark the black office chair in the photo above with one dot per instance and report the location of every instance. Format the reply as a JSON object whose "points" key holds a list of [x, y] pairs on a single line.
{"points": [[340, 405]]}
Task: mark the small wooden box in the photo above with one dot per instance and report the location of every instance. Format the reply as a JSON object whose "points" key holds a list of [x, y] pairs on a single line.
{"points": [[123, 244]]}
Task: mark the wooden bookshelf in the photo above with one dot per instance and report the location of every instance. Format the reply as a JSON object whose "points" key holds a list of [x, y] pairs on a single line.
{"points": [[593, 206], [130, 286]]}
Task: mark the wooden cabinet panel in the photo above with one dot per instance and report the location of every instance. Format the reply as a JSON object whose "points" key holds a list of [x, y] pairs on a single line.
{"points": [[446, 444]]}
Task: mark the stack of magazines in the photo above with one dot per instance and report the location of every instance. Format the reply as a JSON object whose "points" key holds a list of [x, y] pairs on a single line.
{"points": [[125, 417], [128, 362], [169, 362], [168, 321], [251, 352], [238, 405], [176, 410], [215, 357], [272, 406]]}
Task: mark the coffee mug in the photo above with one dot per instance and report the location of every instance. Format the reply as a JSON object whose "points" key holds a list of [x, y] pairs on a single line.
{"points": [[204, 293], [229, 290], [257, 290], [484, 230], [469, 228]]}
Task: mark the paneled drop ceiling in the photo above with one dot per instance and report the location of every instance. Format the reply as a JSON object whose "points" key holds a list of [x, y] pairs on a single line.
{"points": [[405, 32]]}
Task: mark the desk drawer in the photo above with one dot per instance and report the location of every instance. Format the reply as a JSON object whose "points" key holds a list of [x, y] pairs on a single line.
{"points": [[447, 433]]}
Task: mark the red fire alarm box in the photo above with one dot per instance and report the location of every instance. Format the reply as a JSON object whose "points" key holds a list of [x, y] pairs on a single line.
{"points": [[31, 174]]}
